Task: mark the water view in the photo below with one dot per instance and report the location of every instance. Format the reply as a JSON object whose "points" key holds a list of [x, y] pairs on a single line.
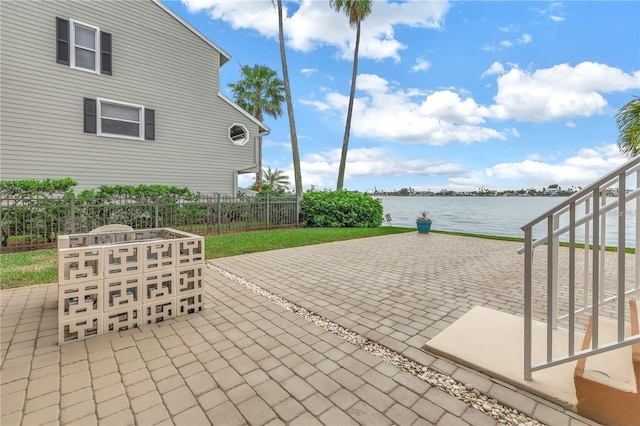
{"points": [[503, 216]]}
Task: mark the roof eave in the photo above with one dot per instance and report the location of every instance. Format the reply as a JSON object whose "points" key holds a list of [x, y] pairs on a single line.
{"points": [[263, 129]]}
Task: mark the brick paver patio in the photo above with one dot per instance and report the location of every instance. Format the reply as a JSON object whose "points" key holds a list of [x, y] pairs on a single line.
{"points": [[246, 360]]}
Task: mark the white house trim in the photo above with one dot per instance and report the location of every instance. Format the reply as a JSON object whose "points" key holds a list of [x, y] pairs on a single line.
{"points": [[99, 117], [224, 56], [72, 46], [265, 130]]}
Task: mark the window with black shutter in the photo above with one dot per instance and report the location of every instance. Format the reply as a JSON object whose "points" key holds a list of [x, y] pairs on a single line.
{"points": [[149, 124], [83, 46], [62, 41], [105, 53], [106, 117], [90, 115]]}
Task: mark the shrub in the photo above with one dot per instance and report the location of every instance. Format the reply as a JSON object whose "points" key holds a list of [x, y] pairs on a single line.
{"points": [[340, 209], [35, 208], [135, 205]]}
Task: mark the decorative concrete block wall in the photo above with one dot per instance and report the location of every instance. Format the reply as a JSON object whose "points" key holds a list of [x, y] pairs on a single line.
{"points": [[114, 281]]}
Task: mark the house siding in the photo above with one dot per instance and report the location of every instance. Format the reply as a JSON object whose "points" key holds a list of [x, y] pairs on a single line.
{"points": [[157, 62]]}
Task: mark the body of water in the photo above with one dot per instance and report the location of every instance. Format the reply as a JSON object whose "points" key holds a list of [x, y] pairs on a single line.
{"points": [[503, 216]]}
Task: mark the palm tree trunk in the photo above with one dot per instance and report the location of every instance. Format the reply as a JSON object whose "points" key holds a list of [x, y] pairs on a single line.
{"points": [[292, 122], [259, 142], [347, 129]]}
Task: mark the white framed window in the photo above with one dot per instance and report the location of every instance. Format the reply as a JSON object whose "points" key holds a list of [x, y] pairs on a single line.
{"points": [[85, 46], [238, 134], [119, 119]]}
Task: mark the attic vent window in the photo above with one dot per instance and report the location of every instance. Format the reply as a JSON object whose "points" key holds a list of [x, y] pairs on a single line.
{"points": [[238, 134]]}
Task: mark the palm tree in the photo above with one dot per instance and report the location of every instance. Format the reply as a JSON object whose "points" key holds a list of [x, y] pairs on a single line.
{"points": [[357, 11], [628, 121], [275, 179], [259, 92], [292, 122]]}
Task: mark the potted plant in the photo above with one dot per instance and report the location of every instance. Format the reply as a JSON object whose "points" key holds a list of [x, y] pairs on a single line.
{"points": [[423, 222]]}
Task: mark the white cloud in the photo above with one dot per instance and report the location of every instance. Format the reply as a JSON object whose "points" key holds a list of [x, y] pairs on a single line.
{"points": [[526, 38], [495, 68], [421, 65], [489, 48], [320, 169], [386, 112], [315, 24], [308, 71], [559, 92], [584, 167], [320, 106], [554, 10], [411, 116], [570, 124], [509, 28], [257, 15], [534, 157], [372, 83]]}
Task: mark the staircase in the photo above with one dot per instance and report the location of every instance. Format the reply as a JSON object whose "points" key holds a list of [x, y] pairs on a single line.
{"points": [[608, 385], [580, 279]]}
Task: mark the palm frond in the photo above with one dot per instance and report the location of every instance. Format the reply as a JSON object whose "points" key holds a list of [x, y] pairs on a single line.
{"points": [[628, 122]]}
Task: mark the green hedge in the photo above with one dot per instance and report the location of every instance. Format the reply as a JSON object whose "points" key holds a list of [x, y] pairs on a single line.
{"points": [[34, 209], [340, 209]]}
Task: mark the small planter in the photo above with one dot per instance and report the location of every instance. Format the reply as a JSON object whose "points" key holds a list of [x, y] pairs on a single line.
{"points": [[423, 222], [423, 226]]}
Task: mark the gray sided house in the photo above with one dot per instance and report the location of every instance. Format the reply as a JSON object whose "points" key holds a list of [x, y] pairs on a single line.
{"points": [[115, 93]]}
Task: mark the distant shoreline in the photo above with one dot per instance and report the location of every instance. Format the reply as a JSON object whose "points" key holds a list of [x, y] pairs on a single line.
{"points": [[384, 194]]}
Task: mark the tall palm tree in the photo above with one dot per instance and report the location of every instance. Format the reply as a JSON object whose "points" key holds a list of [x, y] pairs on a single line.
{"points": [[259, 92], [287, 90], [357, 11], [275, 179], [628, 121]]}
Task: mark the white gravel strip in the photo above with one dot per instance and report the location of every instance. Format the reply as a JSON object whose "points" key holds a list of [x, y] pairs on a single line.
{"points": [[464, 392]]}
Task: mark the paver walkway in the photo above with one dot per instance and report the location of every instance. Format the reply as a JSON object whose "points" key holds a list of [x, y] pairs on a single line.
{"points": [[246, 360]]}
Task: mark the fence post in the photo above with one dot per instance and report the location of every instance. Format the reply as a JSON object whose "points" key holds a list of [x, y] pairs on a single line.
{"points": [[219, 212], [156, 225], [267, 215], [297, 212], [73, 213]]}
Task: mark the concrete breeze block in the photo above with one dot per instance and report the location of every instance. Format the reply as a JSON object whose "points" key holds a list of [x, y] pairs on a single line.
{"points": [[122, 292], [190, 278], [76, 329], [159, 311], [122, 319], [114, 281]]}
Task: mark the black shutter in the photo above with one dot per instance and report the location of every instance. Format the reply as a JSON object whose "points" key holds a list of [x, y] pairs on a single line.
{"points": [[62, 41], [149, 124], [105, 53], [90, 115]]}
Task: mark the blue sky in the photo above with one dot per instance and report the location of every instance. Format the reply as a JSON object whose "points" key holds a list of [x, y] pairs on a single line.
{"points": [[450, 95]]}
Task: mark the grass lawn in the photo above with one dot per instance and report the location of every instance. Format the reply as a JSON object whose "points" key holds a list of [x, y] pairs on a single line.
{"points": [[41, 266]]}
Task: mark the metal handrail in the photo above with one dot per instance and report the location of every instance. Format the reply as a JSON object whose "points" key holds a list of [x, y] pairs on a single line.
{"points": [[595, 282], [605, 181], [584, 219]]}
